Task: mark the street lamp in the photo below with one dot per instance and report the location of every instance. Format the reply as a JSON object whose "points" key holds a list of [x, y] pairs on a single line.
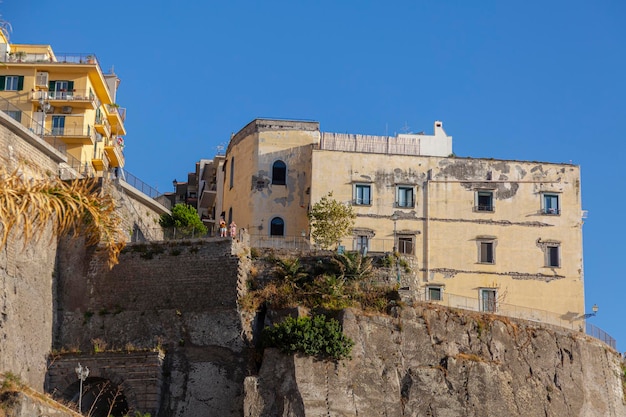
{"points": [[394, 217], [45, 106], [594, 308], [82, 374]]}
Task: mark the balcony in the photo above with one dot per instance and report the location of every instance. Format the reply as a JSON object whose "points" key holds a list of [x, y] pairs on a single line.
{"points": [[100, 163], [115, 154], [117, 116], [102, 126], [207, 198], [71, 129], [82, 99]]}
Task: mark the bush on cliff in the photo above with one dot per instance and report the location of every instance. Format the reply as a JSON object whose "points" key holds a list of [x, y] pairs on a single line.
{"points": [[313, 336]]}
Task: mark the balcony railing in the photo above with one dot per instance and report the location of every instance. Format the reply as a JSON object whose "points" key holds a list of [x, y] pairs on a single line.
{"points": [[120, 111], [74, 96]]}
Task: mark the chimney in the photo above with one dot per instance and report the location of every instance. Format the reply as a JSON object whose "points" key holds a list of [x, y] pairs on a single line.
{"points": [[439, 129]]}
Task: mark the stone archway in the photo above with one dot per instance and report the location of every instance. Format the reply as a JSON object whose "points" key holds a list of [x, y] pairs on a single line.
{"points": [[101, 397]]}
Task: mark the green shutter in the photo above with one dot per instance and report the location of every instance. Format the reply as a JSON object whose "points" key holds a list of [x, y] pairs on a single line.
{"points": [[70, 86], [20, 83], [3, 80], [51, 85]]}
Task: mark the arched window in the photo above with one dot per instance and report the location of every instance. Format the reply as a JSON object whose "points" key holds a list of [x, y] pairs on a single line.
{"points": [[277, 227], [279, 173]]}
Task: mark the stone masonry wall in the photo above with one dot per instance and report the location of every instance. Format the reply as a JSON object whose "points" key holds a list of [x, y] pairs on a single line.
{"points": [[180, 295]]}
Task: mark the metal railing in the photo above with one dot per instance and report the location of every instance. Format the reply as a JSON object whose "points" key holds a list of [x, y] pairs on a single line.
{"points": [[135, 182], [61, 95], [600, 334], [511, 310]]}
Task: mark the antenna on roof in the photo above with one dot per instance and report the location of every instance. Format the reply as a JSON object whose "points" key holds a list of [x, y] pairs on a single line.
{"points": [[406, 128]]}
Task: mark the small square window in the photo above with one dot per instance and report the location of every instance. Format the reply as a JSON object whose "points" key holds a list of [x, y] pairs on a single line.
{"points": [[486, 252], [361, 243], [11, 83], [484, 201], [362, 194], [551, 204], [553, 256], [434, 293], [404, 197], [15, 114], [405, 245]]}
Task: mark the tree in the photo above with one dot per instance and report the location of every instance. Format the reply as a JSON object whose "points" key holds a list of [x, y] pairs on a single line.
{"points": [[185, 220], [330, 220], [75, 208]]}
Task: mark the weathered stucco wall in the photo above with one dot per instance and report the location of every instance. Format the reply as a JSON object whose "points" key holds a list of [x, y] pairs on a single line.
{"points": [[26, 271], [439, 362]]}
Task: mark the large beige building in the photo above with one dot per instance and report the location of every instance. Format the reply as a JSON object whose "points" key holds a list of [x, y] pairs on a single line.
{"points": [[483, 234]]}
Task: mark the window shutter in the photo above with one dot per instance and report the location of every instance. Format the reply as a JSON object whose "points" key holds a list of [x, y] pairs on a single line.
{"points": [[20, 83], [3, 80], [70, 86], [51, 85]]}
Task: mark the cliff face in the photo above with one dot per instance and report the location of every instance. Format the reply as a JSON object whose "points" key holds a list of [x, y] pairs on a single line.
{"points": [[438, 362]]}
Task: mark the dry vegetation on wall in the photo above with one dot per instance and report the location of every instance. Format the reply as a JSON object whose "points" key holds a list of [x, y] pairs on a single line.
{"points": [[78, 207]]}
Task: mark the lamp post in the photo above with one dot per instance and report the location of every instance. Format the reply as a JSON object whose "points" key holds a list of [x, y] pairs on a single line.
{"points": [[45, 106], [394, 217], [82, 374]]}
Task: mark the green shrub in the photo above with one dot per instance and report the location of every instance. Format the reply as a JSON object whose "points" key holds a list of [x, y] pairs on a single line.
{"points": [[316, 336]]}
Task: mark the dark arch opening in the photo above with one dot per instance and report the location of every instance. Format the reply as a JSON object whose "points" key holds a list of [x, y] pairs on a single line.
{"points": [[277, 227], [101, 397], [279, 173]]}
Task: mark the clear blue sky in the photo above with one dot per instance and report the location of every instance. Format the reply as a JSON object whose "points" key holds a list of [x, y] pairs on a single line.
{"points": [[529, 80]]}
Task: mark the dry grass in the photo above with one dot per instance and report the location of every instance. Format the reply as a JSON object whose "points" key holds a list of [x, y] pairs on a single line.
{"points": [[29, 205]]}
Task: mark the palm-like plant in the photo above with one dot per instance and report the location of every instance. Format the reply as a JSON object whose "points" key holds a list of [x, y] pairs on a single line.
{"points": [[353, 266], [290, 270], [72, 207]]}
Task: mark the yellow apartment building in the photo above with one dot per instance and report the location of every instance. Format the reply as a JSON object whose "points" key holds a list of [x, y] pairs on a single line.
{"points": [[67, 100], [484, 234]]}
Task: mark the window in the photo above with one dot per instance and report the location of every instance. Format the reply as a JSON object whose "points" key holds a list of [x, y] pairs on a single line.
{"points": [[15, 114], [553, 258], [486, 251], [277, 227], [232, 171], [404, 197], [11, 82], [434, 293], [58, 125], [230, 215], [405, 245], [61, 89], [362, 243], [551, 204], [279, 173], [362, 194], [488, 299], [484, 200]]}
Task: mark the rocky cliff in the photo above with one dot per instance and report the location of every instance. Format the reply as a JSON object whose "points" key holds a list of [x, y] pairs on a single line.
{"points": [[430, 361]]}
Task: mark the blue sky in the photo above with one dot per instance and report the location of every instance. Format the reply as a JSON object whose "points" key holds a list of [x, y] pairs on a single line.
{"points": [[528, 80]]}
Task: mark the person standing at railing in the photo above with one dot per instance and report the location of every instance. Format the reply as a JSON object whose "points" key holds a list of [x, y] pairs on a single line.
{"points": [[233, 229], [222, 227]]}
